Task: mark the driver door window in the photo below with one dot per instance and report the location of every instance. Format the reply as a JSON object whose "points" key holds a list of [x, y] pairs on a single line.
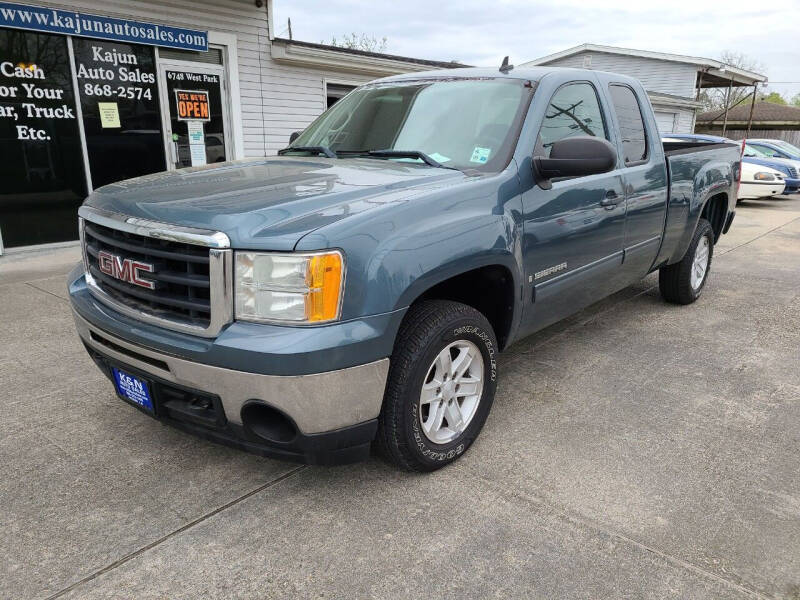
{"points": [[771, 153], [573, 110]]}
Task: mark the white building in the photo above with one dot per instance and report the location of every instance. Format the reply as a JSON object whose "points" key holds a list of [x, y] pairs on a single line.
{"points": [[96, 91], [671, 80]]}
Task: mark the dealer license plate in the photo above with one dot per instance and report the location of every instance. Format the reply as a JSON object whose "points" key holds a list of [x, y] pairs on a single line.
{"points": [[133, 389]]}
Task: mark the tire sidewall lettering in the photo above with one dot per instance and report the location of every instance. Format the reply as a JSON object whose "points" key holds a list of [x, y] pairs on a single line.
{"points": [[486, 339], [423, 448]]}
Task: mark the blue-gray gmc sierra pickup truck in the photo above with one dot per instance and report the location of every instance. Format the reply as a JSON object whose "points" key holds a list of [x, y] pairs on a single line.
{"points": [[357, 288]]}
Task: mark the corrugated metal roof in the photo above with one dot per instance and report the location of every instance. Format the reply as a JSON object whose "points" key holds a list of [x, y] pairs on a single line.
{"points": [[762, 112]]}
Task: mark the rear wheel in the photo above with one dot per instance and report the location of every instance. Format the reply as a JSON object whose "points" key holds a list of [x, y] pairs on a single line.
{"points": [[441, 385], [682, 283]]}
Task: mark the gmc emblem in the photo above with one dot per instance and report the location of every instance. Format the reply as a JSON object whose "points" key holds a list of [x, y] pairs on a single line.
{"points": [[125, 269]]}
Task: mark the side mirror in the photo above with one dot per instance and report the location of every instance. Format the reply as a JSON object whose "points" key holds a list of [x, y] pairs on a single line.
{"points": [[575, 157], [294, 136]]}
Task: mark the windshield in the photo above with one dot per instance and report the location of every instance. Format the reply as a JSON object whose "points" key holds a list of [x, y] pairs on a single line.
{"points": [[465, 124], [753, 151], [786, 146]]}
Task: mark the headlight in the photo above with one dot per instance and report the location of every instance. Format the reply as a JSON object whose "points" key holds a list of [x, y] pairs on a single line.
{"points": [[762, 176], [289, 288]]}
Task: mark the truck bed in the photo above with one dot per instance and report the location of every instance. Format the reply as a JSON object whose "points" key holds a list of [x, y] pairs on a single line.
{"points": [[695, 171]]}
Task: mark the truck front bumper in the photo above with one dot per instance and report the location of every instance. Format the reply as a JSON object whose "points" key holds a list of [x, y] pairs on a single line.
{"points": [[327, 417]]}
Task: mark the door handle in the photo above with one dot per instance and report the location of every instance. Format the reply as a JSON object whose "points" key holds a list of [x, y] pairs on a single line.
{"points": [[173, 150], [611, 199]]}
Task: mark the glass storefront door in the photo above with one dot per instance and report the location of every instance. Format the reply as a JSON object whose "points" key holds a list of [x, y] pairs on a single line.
{"points": [[197, 127]]}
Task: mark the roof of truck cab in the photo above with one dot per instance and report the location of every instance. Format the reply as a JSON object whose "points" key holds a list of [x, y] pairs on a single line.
{"points": [[527, 73]]}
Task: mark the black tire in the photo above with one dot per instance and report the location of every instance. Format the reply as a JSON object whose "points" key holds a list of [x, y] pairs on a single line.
{"points": [[675, 281], [427, 329]]}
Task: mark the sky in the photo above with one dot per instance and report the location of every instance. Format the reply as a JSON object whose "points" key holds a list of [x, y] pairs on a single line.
{"points": [[481, 32]]}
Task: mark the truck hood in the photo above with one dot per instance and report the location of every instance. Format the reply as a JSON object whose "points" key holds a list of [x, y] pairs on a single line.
{"points": [[270, 203]]}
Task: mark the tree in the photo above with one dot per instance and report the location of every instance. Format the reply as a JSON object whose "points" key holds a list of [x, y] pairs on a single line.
{"points": [[714, 98], [354, 41], [773, 97], [796, 100]]}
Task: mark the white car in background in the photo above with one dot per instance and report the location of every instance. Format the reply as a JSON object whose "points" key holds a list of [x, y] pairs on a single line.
{"points": [[759, 182], [790, 168]]}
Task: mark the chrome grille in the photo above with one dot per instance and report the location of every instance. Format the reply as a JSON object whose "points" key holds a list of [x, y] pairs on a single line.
{"points": [[180, 273], [191, 271], [793, 172]]}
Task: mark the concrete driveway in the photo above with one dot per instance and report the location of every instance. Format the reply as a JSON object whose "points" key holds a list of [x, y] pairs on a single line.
{"points": [[637, 450]]}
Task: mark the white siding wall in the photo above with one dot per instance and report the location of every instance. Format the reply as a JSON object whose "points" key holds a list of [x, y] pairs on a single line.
{"points": [[681, 120], [293, 97], [275, 99], [685, 122], [665, 120], [656, 75]]}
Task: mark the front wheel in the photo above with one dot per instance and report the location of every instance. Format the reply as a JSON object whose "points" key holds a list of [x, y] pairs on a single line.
{"points": [[682, 283], [441, 385]]}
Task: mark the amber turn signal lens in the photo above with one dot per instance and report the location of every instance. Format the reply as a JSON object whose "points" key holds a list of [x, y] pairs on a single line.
{"points": [[324, 287]]}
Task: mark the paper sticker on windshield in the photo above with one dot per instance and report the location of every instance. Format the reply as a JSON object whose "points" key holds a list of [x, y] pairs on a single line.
{"points": [[439, 157], [480, 155]]}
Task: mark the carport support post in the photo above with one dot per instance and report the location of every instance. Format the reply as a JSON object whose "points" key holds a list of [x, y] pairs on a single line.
{"points": [[752, 106], [699, 85], [727, 103]]}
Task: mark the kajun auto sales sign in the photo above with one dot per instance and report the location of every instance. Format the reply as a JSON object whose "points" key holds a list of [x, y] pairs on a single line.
{"points": [[50, 20]]}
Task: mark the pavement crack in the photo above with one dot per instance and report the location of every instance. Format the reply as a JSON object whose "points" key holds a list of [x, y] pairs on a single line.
{"points": [[36, 287], [758, 237], [582, 521], [181, 529]]}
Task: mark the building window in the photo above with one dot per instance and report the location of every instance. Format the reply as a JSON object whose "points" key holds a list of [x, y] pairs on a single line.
{"points": [[631, 123], [117, 85], [335, 92], [41, 169], [212, 57]]}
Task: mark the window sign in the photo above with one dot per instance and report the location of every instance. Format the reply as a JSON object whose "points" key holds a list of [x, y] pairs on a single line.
{"points": [[121, 113], [197, 143], [69, 22], [42, 162], [192, 105], [195, 132], [109, 115]]}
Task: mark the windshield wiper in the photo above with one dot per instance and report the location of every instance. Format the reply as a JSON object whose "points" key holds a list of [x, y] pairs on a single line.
{"points": [[432, 162], [324, 150]]}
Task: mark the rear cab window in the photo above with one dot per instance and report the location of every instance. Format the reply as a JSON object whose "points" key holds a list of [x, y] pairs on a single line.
{"points": [[631, 124]]}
